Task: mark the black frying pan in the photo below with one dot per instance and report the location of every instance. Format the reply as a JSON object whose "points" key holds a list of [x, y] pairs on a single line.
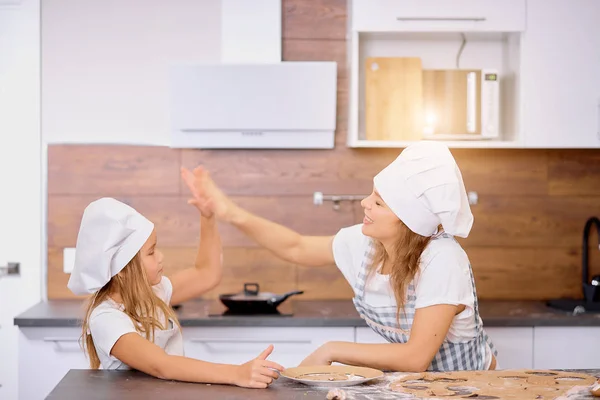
{"points": [[252, 301]]}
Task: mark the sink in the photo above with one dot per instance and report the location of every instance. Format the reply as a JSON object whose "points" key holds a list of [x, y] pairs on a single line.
{"points": [[571, 304]]}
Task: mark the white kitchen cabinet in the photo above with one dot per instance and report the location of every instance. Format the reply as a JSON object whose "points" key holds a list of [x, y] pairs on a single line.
{"points": [[241, 344], [566, 347], [45, 357], [561, 74], [368, 335], [514, 345], [438, 15]]}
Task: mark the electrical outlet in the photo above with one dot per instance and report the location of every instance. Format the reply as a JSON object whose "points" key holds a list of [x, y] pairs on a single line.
{"points": [[68, 259], [473, 198]]}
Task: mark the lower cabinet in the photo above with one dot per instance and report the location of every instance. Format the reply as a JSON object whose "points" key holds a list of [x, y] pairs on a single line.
{"points": [[514, 346], [47, 354], [566, 347], [45, 357], [239, 345], [368, 335]]}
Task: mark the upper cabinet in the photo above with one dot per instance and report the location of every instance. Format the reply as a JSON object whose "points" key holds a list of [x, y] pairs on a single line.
{"points": [[438, 15], [561, 74], [474, 73]]}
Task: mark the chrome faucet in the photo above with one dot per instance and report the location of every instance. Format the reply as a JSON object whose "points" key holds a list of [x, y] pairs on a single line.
{"points": [[591, 290]]}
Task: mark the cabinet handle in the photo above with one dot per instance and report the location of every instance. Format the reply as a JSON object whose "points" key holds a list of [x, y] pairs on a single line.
{"points": [[247, 341], [476, 19], [58, 341]]}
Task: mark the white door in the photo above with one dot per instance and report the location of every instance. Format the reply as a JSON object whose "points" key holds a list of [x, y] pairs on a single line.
{"points": [[561, 74], [20, 175]]}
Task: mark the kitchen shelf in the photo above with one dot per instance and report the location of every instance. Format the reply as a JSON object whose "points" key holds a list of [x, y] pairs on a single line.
{"points": [[465, 144], [496, 46]]}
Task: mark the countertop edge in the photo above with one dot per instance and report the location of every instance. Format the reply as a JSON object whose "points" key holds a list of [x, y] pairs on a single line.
{"points": [[300, 322]]}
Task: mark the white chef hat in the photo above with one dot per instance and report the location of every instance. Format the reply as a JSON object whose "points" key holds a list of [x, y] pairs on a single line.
{"points": [[110, 235], [425, 189]]}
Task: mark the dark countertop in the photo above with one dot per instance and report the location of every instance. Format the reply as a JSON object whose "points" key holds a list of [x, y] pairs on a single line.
{"points": [[308, 313], [125, 385]]}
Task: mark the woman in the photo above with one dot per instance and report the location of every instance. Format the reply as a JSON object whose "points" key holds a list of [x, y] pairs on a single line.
{"points": [[412, 281]]}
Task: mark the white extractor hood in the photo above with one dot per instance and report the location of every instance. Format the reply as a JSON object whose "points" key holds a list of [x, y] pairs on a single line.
{"points": [[278, 105]]}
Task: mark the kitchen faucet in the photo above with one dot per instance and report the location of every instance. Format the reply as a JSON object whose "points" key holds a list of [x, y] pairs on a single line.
{"points": [[591, 290]]}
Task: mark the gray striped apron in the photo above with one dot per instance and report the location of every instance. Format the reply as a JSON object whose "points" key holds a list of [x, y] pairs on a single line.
{"points": [[451, 356]]}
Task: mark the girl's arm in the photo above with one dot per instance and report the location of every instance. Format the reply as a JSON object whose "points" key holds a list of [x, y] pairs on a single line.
{"points": [[430, 327], [143, 355], [208, 269], [207, 272]]}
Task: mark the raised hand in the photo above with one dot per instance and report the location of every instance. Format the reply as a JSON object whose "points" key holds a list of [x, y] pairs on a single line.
{"points": [[207, 197]]}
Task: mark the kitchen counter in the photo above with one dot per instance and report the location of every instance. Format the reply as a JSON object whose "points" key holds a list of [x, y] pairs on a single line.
{"points": [[317, 313], [126, 385]]}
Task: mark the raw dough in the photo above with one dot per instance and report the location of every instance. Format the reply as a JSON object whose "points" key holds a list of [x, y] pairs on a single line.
{"points": [[324, 377], [596, 389], [336, 394], [501, 384]]}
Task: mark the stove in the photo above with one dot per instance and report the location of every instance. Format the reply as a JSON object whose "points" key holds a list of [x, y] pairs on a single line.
{"points": [[217, 309]]}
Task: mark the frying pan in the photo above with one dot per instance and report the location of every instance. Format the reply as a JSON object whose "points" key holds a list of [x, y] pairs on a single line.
{"points": [[252, 301]]}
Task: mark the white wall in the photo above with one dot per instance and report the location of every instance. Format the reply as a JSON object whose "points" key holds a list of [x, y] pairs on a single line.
{"points": [[104, 80], [105, 65], [20, 175]]}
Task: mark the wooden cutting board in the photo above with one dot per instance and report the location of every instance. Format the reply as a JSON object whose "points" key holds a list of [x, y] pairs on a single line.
{"points": [[393, 98]]}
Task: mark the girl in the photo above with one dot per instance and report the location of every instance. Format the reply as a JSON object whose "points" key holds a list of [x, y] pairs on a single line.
{"points": [[412, 281], [128, 322]]}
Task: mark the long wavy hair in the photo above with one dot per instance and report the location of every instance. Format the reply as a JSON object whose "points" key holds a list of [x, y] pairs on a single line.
{"points": [[141, 304], [405, 261]]}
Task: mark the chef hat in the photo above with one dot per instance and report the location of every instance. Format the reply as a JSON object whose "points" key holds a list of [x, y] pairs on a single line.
{"points": [[110, 235], [425, 189]]}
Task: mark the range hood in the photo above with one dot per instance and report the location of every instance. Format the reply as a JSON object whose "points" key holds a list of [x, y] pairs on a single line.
{"points": [[280, 105]]}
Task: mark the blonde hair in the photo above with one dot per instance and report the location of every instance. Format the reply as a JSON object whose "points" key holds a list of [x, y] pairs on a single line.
{"points": [[405, 260], [140, 303]]}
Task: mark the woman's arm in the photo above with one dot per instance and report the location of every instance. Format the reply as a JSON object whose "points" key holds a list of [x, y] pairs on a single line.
{"points": [[143, 355], [283, 242], [311, 251], [430, 327]]}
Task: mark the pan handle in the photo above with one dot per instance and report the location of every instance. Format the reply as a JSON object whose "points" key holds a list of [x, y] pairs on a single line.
{"points": [[251, 288], [283, 297]]}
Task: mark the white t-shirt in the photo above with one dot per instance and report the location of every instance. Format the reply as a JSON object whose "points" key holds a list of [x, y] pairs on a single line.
{"points": [[443, 278], [108, 323]]}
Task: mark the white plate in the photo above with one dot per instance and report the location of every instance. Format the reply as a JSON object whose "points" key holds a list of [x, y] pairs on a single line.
{"points": [[353, 375]]}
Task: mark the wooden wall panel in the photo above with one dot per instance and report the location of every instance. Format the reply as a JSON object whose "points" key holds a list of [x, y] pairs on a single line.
{"points": [[292, 172], [323, 283], [515, 172], [300, 16], [517, 273], [543, 221], [574, 173], [525, 243], [317, 50], [242, 265], [177, 224], [107, 170]]}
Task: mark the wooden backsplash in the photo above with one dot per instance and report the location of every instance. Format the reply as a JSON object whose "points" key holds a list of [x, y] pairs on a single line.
{"points": [[525, 243]]}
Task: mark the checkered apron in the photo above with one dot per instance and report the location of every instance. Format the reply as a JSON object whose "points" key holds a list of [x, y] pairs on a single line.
{"points": [[451, 356]]}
